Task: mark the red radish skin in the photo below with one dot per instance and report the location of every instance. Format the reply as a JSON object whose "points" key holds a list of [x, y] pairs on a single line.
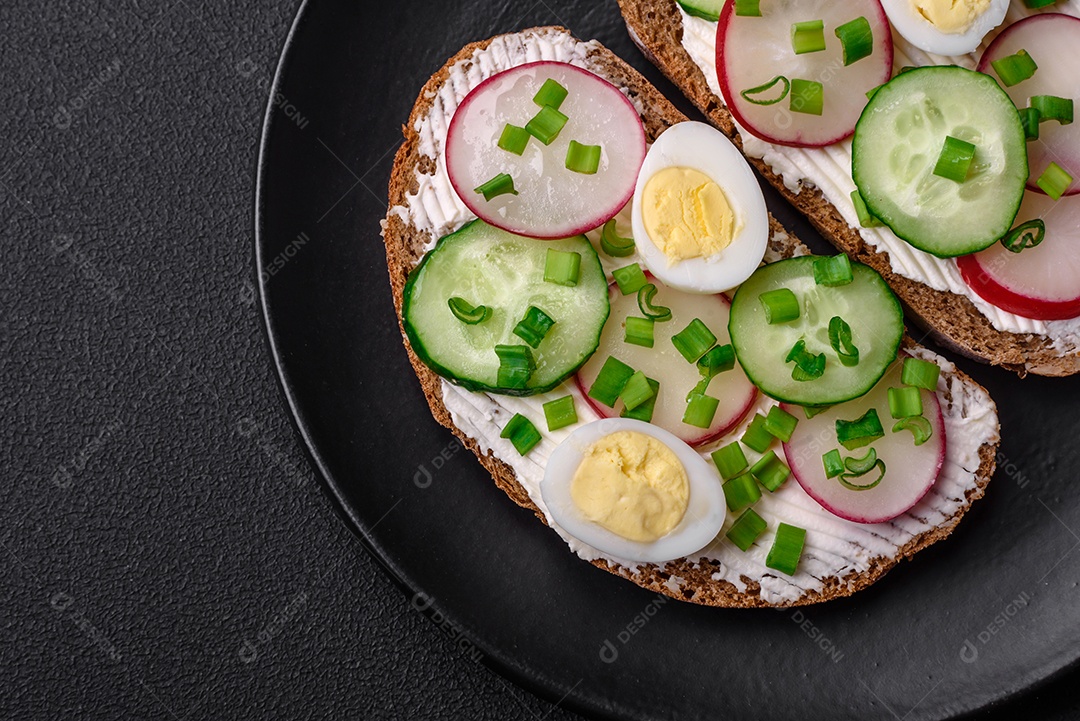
{"points": [[917, 467], [552, 201], [1041, 283], [1053, 41], [767, 52], [735, 391]]}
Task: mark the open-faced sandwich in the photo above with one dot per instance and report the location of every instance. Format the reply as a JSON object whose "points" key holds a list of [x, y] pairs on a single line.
{"points": [[598, 304], [932, 140]]}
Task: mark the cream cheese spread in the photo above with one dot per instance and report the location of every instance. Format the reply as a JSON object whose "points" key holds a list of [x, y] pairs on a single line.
{"points": [[829, 170], [834, 547]]}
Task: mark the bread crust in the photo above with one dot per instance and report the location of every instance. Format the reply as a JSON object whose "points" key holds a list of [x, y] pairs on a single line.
{"points": [[404, 244], [951, 320]]}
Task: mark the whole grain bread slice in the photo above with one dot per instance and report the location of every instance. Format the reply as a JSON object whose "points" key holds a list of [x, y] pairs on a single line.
{"points": [[952, 320], [405, 245]]}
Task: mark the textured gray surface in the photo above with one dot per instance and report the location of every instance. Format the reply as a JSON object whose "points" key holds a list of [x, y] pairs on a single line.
{"points": [[166, 550]]}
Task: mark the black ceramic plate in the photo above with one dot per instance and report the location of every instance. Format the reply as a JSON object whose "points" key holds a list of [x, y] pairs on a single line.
{"points": [[975, 619]]}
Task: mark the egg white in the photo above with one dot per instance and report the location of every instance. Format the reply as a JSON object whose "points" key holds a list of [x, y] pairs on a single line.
{"points": [[705, 512], [921, 33], [703, 148]]}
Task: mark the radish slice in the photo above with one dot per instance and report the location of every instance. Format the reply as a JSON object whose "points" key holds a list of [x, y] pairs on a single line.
{"points": [[1041, 282], [663, 363], [910, 470], [1053, 42], [751, 51], [551, 201]]}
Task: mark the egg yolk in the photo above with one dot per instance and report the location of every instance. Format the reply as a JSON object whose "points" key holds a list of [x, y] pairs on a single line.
{"points": [[686, 214], [633, 485], [951, 16]]}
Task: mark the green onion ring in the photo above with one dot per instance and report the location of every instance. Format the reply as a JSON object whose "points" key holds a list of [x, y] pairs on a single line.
{"points": [[766, 88], [1026, 235]]}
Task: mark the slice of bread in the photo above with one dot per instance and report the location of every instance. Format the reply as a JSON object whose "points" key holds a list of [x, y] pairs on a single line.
{"points": [[415, 220], [952, 320]]}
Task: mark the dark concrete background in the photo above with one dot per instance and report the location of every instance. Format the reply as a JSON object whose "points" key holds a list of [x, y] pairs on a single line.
{"points": [[167, 552]]}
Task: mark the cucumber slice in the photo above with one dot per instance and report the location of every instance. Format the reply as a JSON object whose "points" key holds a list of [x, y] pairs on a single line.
{"points": [[897, 143], [866, 304], [505, 272], [708, 9]]}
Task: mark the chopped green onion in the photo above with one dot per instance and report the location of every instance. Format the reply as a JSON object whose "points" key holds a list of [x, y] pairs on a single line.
{"points": [[468, 313], [781, 306], [873, 91], [546, 125], [786, 549], [501, 184], [860, 432], [955, 159], [693, 340], [644, 412], [1036, 4], [746, 529], [808, 366], [514, 139], [905, 402], [516, 365], [551, 93], [807, 96], [630, 279], [756, 438], [636, 391], [833, 270], [700, 411], [770, 471], [857, 39], [920, 373], [522, 433], [700, 389], [1054, 181], [846, 478], [834, 466], [919, 427], [584, 159], [1014, 69], [748, 8], [730, 460], [780, 424], [740, 492], [719, 359], [840, 339], [808, 37], [658, 313], [560, 413], [861, 466], [1026, 235], [562, 267], [534, 326], [610, 382], [639, 331], [866, 218], [613, 244], [1030, 119], [766, 87], [1051, 107], [812, 411]]}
